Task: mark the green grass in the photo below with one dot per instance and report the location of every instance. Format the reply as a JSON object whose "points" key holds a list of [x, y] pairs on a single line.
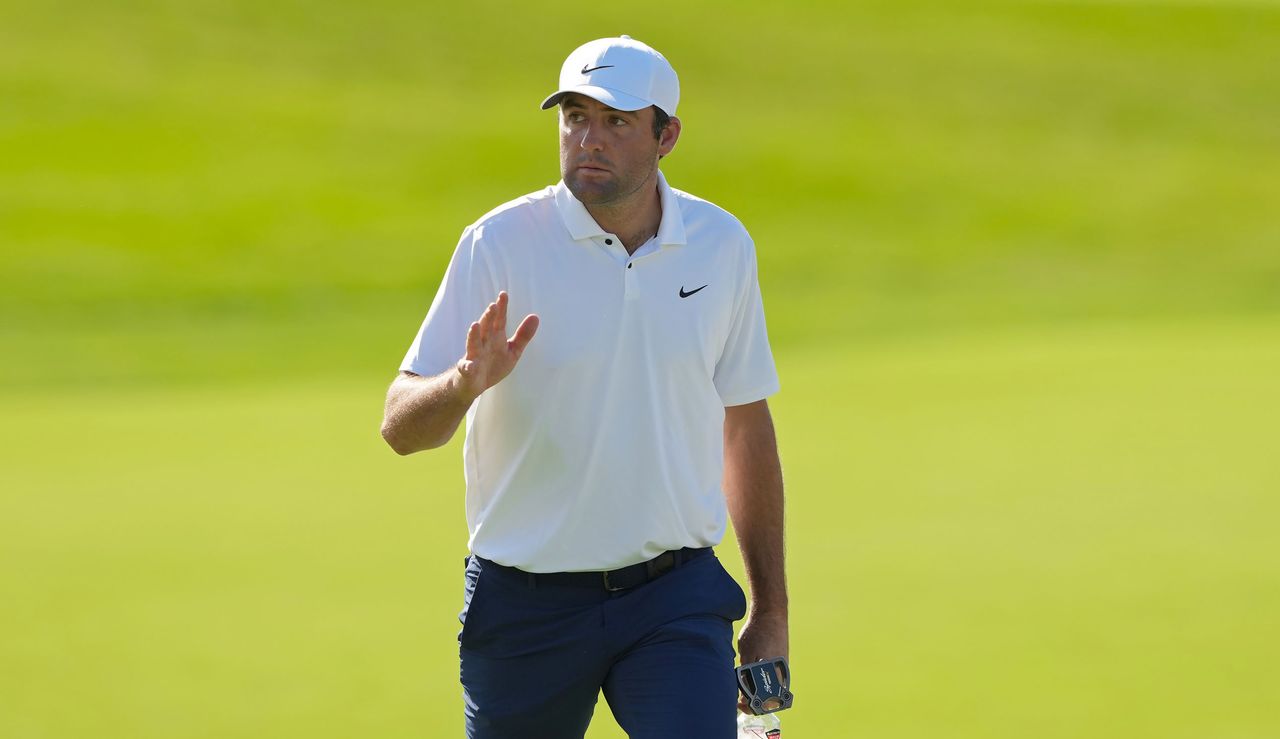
{"points": [[1064, 535], [1067, 534], [1021, 269], [958, 163]]}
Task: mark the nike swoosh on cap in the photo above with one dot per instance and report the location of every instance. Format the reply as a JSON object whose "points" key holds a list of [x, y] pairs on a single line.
{"points": [[602, 66]]}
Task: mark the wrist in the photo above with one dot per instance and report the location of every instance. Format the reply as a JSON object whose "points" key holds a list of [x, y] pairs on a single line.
{"points": [[460, 389], [768, 610]]}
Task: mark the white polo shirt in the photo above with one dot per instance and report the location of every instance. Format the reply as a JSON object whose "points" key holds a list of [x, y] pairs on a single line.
{"points": [[604, 446]]}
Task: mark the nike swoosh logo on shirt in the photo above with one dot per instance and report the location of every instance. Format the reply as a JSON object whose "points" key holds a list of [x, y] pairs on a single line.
{"points": [[684, 294]]}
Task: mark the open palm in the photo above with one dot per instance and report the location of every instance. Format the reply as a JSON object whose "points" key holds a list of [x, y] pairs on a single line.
{"points": [[490, 354]]}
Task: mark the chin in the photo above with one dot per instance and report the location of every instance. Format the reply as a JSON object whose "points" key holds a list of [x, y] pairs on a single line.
{"points": [[591, 193]]}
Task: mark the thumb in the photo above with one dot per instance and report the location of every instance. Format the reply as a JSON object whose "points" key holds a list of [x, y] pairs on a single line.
{"points": [[524, 333]]}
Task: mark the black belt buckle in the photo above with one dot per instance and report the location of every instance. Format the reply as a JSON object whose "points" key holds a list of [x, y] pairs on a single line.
{"points": [[610, 586], [766, 685], [638, 574]]}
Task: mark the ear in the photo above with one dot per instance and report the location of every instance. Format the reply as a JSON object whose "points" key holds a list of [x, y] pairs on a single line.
{"points": [[670, 134]]}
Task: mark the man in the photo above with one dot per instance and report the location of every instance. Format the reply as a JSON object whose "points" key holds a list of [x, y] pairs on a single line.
{"points": [[607, 432]]}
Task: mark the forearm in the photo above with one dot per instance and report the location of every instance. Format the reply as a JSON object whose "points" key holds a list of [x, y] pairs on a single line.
{"points": [[754, 494], [423, 412]]}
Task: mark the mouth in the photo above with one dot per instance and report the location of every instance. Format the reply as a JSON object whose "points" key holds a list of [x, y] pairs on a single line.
{"points": [[589, 167]]}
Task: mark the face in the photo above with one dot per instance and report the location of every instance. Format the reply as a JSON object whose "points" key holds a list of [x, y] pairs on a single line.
{"points": [[607, 155]]}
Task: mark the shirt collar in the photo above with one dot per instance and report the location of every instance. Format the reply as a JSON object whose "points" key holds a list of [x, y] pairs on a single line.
{"points": [[582, 226]]}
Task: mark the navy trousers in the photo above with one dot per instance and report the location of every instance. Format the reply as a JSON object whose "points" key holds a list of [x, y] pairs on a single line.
{"points": [[535, 656]]}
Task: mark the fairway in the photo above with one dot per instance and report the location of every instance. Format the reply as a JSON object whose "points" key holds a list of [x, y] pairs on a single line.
{"points": [[1003, 526], [1021, 268]]}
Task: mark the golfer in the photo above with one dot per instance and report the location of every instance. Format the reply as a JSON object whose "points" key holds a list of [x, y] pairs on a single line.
{"points": [[605, 340]]}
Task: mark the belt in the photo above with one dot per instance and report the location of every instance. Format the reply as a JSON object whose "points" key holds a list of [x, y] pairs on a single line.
{"points": [[611, 580]]}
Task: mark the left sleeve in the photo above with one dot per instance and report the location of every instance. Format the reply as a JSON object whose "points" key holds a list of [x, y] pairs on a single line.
{"points": [[464, 293], [745, 371]]}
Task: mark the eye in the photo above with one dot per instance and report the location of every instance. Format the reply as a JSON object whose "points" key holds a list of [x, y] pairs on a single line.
{"points": [[573, 117], [617, 121]]}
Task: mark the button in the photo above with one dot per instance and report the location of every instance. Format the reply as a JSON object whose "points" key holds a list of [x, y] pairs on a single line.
{"points": [[609, 242], [628, 265]]}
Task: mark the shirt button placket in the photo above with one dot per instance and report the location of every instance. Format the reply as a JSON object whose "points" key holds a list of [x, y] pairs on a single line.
{"points": [[632, 283]]}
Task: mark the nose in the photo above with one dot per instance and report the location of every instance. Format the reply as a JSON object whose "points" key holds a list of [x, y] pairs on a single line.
{"points": [[591, 140]]}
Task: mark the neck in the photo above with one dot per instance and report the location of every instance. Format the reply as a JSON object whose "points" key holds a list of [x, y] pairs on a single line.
{"points": [[634, 219]]}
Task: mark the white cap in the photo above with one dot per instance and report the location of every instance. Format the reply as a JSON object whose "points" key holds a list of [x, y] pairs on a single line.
{"points": [[621, 73]]}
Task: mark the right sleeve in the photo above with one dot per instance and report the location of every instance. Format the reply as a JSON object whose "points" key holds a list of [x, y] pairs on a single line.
{"points": [[466, 290], [745, 371]]}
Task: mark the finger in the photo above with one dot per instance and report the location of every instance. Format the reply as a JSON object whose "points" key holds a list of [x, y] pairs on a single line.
{"points": [[473, 341], [524, 333], [486, 322], [503, 301]]}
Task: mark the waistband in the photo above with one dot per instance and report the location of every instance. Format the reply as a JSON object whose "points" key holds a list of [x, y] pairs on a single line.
{"points": [[611, 580]]}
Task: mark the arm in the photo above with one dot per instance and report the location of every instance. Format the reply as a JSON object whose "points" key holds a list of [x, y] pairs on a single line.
{"points": [[424, 412], [753, 492]]}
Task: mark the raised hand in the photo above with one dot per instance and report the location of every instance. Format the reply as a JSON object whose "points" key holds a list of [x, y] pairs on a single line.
{"points": [[490, 354]]}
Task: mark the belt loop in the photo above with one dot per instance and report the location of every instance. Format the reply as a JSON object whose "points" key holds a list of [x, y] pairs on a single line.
{"points": [[533, 581], [679, 558], [651, 569]]}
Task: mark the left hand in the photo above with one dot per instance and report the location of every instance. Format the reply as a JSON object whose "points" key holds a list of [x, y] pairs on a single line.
{"points": [[763, 636]]}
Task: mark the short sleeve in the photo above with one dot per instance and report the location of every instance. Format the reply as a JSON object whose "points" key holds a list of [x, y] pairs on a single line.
{"points": [[467, 288], [745, 372]]}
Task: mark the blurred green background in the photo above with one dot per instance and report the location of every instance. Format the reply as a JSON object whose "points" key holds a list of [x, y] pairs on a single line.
{"points": [[1021, 262]]}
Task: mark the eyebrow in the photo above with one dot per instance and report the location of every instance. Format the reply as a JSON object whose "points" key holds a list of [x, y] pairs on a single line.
{"points": [[566, 105]]}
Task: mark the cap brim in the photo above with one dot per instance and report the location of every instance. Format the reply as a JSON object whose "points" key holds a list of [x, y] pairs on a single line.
{"points": [[611, 98]]}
